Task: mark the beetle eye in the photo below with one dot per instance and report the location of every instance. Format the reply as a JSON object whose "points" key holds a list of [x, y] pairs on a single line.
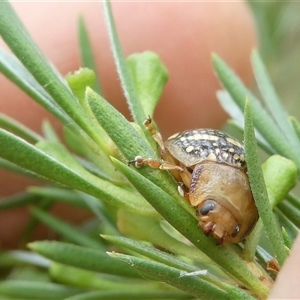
{"points": [[236, 231], [208, 206]]}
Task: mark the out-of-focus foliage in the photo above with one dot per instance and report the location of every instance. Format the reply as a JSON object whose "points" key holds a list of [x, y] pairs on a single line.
{"points": [[278, 26]]}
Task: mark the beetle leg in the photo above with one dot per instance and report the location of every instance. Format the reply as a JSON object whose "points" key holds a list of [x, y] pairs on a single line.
{"points": [[155, 134], [139, 161], [209, 228], [222, 239], [183, 191], [180, 189]]}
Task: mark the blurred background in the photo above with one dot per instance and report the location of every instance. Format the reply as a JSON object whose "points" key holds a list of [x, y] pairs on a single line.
{"points": [[278, 26]]}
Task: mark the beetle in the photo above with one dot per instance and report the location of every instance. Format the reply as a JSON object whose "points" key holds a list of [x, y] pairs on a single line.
{"points": [[211, 170]]}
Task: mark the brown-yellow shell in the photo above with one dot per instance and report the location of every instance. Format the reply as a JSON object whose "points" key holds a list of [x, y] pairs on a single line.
{"points": [[215, 181]]}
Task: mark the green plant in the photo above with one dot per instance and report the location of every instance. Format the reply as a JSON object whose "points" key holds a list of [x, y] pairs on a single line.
{"points": [[95, 176]]}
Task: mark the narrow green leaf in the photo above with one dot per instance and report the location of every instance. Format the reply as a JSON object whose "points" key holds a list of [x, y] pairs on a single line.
{"points": [[131, 143], [22, 45], [86, 52], [259, 189], [231, 107], [123, 134], [19, 129], [149, 76], [29, 157], [296, 126], [290, 211], [287, 240], [170, 259], [59, 194], [294, 200], [280, 176], [18, 200], [273, 102], [68, 231], [193, 285], [262, 121], [84, 279], [7, 165], [102, 212], [252, 241], [44, 205], [75, 198], [78, 82], [96, 160], [60, 153], [238, 293], [81, 257], [150, 252], [130, 295], [269, 22], [187, 225], [17, 73], [134, 103], [18, 289], [291, 229], [260, 140], [49, 132], [137, 227], [234, 111], [17, 257]]}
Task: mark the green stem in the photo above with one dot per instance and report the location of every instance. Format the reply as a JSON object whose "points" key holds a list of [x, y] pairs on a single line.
{"points": [[259, 189], [134, 104]]}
